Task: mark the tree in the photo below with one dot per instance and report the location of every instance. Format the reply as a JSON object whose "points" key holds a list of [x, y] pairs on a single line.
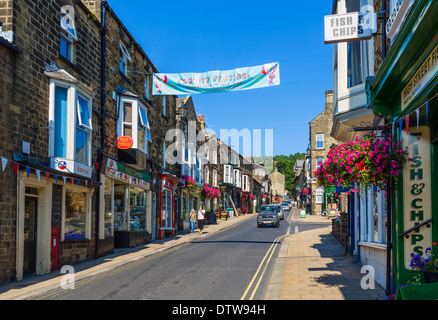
{"points": [[285, 165]]}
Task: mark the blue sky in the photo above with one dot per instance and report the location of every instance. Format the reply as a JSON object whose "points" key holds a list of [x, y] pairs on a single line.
{"points": [[200, 36]]}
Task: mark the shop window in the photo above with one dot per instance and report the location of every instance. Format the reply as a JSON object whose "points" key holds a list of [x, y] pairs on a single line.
{"points": [[75, 215], [237, 181], [137, 205], [120, 207]]}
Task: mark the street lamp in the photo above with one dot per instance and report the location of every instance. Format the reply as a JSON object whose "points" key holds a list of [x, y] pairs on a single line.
{"points": [[182, 111]]}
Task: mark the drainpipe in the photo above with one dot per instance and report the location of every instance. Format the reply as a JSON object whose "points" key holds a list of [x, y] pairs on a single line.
{"points": [[104, 6]]}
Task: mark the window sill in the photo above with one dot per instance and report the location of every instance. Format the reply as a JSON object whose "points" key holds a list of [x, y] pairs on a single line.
{"points": [[124, 77], [380, 246], [69, 63]]}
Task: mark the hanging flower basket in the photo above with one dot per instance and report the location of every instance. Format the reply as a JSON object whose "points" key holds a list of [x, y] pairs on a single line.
{"points": [[306, 191], [265, 195], [252, 197], [190, 183], [211, 192], [367, 161]]}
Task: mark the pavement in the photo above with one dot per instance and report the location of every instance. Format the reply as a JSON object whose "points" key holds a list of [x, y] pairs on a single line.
{"points": [[312, 265]]}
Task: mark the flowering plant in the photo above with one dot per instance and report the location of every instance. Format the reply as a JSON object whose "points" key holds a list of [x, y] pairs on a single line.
{"points": [[277, 198], [371, 160], [211, 192], [427, 264], [265, 195], [252, 197], [189, 182], [306, 191]]}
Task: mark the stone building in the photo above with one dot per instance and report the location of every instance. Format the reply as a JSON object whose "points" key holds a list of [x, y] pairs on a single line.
{"points": [[50, 134], [137, 203], [277, 181], [321, 142]]}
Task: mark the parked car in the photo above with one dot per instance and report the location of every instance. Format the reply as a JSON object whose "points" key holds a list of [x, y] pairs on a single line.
{"points": [[268, 216], [280, 211]]}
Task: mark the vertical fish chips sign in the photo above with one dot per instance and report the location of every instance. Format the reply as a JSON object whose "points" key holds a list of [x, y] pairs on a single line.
{"points": [[246, 78], [350, 26], [417, 192]]}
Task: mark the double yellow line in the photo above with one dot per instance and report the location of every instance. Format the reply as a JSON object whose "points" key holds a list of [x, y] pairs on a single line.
{"points": [[270, 254]]}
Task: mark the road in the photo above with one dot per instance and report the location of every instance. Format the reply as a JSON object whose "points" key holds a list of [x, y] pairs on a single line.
{"points": [[235, 264]]}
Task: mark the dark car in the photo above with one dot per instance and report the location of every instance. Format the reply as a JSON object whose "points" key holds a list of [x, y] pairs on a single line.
{"points": [[268, 216]]}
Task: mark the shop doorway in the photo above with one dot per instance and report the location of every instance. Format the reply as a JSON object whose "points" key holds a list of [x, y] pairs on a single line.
{"points": [[30, 232]]}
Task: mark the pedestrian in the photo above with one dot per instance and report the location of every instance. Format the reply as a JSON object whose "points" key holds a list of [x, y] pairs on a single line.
{"points": [[192, 220], [201, 217]]}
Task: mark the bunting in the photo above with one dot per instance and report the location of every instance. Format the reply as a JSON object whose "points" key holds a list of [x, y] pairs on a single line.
{"points": [[16, 166]]}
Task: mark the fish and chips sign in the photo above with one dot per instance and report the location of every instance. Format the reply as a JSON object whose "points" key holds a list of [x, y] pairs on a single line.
{"points": [[417, 192], [247, 78], [350, 26]]}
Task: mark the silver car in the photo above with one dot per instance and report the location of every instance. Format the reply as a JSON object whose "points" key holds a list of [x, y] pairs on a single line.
{"points": [[280, 211], [268, 216]]}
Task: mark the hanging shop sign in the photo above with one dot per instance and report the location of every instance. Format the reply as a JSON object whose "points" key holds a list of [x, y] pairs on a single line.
{"points": [[420, 79], [349, 27], [319, 193], [125, 143], [417, 192], [72, 167], [267, 75]]}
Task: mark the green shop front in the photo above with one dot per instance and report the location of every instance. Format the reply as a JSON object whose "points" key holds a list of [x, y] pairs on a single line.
{"points": [[405, 93], [127, 203]]}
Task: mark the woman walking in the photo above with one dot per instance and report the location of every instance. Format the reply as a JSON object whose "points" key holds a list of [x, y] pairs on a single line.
{"points": [[192, 220], [201, 217]]}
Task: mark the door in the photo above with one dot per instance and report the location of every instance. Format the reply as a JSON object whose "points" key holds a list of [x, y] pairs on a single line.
{"points": [[154, 215], [30, 235]]}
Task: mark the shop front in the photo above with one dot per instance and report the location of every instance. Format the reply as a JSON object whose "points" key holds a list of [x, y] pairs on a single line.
{"points": [[190, 198], [127, 205], [54, 217], [405, 93], [169, 184]]}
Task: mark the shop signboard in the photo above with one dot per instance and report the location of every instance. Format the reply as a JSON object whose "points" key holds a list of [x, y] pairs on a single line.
{"points": [[319, 193], [125, 143], [72, 167], [117, 166], [422, 76], [417, 192], [303, 214]]}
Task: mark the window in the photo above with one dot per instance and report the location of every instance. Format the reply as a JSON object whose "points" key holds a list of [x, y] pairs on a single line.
{"points": [[207, 175], [228, 174], [109, 200], [124, 58], [164, 154], [355, 57], [245, 185], [68, 36], [83, 130], [214, 157], [237, 177], [137, 213], [215, 178], [133, 122], [70, 140], [319, 161], [146, 87], [144, 134], [164, 106], [319, 141], [76, 208]]}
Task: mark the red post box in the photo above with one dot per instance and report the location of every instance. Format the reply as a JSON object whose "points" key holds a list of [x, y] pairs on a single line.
{"points": [[55, 248]]}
